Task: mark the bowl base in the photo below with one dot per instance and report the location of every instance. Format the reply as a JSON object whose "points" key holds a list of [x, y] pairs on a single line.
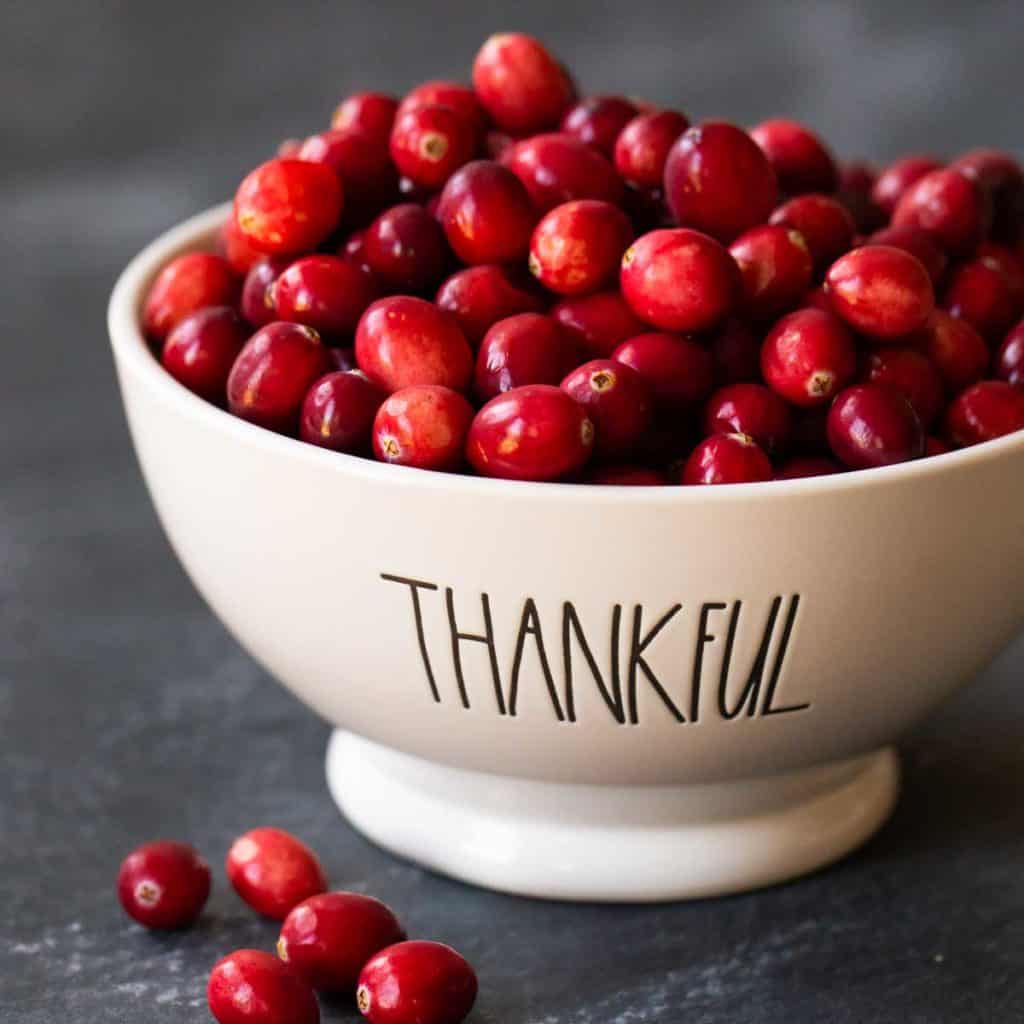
{"points": [[610, 843]]}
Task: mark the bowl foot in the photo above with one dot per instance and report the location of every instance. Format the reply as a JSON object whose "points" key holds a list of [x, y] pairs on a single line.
{"points": [[610, 843]]}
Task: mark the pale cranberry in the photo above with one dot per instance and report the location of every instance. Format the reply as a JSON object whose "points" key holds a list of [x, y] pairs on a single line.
{"points": [[642, 147], [326, 293], [980, 293], [253, 987], [423, 426], [524, 349], [557, 168], [958, 351], [1009, 362], [406, 249], [598, 322], [775, 264], [185, 285], [984, 412], [478, 297], [948, 204], [273, 871], [163, 884], [871, 425], [913, 375], [808, 357], [338, 412], [825, 224], [918, 242], [726, 459], [201, 350], [895, 179], [678, 372], [750, 409], [617, 401], [799, 158]]}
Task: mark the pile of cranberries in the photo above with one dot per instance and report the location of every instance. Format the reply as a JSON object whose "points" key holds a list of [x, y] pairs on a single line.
{"points": [[331, 942], [509, 280]]}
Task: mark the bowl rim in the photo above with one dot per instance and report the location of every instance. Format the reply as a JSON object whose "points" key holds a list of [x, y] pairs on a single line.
{"points": [[134, 353]]}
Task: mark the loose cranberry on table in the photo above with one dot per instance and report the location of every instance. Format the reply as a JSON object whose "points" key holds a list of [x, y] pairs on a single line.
{"points": [[1001, 177], [913, 375], [948, 204], [406, 249], [257, 302], [202, 348], [187, 284], [750, 409], [599, 120], [803, 466], [625, 476], [918, 242], [808, 356], [617, 401], [478, 297], [643, 145], [825, 224], [428, 144], [980, 293], [678, 372], [799, 158], [326, 293], [897, 177], [726, 459], [556, 168], [525, 349], [718, 180], [736, 353], [253, 987], [958, 351], [370, 112], [598, 322], [776, 268], [537, 432], [1009, 362], [338, 412], [871, 425], [443, 93], [163, 884], [423, 426], [985, 411], [273, 871], [856, 182]]}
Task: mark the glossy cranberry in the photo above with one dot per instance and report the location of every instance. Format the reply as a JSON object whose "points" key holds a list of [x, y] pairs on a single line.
{"points": [[717, 180], [1009, 363], [808, 357], [913, 375], [338, 412], [288, 206], [599, 322], [625, 476], [253, 987], [617, 401], [856, 182], [643, 145], [416, 983], [985, 411], [273, 871], [487, 214], [750, 409], [935, 446], [825, 224], [524, 349], [537, 432], [775, 264], [187, 284], [372, 113], [401, 341], [726, 459], [678, 372], [478, 297], [557, 168], [202, 348], [163, 884], [406, 249], [958, 351], [598, 120], [520, 84], [804, 466], [895, 179], [577, 247], [1003, 258], [980, 293], [799, 158], [429, 144], [326, 293], [240, 253], [918, 242], [948, 204], [736, 353], [353, 248], [442, 93], [423, 426], [1001, 177], [328, 938], [679, 280], [870, 425], [880, 290], [257, 303]]}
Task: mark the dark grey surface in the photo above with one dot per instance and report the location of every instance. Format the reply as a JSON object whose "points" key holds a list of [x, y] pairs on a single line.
{"points": [[127, 712]]}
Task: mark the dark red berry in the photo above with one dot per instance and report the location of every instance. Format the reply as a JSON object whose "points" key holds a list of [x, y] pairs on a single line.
{"points": [[726, 459], [958, 351], [257, 303], [808, 356], [617, 401], [776, 268], [478, 297], [913, 375], [557, 168], [750, 409], [441, 93], [736, 353], [598, 322], [985, 411], [429, 144], [799, 158], [999, 175], [980, 293], [202, 348], [253, 987], [804, 466], [424, 426], [326, 293], [1003, 258], [642, 147], [917, 242], [1009, 364], [948, 204], [856, 182], [895, 179], [678, 372], [372, 113], [163, 884], [353, 248], [870, 425], [598, 120], [825, 224], [625, 476], [338, 412], [525, 349], [406, 249], [187, 284]]}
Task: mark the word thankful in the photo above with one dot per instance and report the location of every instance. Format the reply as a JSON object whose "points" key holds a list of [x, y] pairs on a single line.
{"points": [[619, 682]]}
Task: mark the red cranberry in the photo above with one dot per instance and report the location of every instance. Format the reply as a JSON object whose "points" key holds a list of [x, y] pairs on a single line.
{"points": [[985, 411], [894, 181], [598, 120], [237, 249], [537, 432], [626, 476], [871, 425], [520, 84], [957, 350], [808, 357], [1003, 258], [617, 401], [800, 160], [253, 987], [775, 264], [353, 248], [401, 341], [643, 145], [187, 284], [288, 206], [949, 205], [328, 938], [718, 181], [202, 348], [856, 182], [804, 466], [338, 412], [980, 293], [421, 982], [273, 871], [881, 290], [478, 297], [1010, 357], [487, 214], [679, 280], [326, 293], [726, 459], [257, 292], [272, 374], [458, 97], [598, 322], [1001, 177], [406, 249], [825, 224], [577, 247], [372, 113], [750, 409], [429, 144], [678, 372], [913, 375], [736, 353], [556, 168], [917, 242], [524, 349], [163, 884], [423, 426], [935, 446]]}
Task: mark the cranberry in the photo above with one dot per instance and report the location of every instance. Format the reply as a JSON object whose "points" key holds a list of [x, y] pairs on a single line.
{"points": [[487, 214], [617, 401], [871, 425], [626, 476], [556, 168], [736, 353], [643, 145], [163, 884], [406, 249], [913, 375], [1010, 357], [338, 412], [881, 290], [202, 348], [454, 95], [800, 160], [917, 242], [825, 224], [856, 182], [956, 349], [253, 987], [328, 938], [1001, 177], [948, 204], [423, 426], [984, 412], [288, 206], [718, 181], [353, 248], [808, 357], [428, 144], [257, 302], [804, 466], [726, 459], [326, 293], [520, 84], [1003, 258], [273, 871], [775, 264], [537, 432], [598, 322], [935, 446], [272, 374], [524, 349], [237, 249], [894, 181], [980, 293], [478, 297], [372, 113], [678, 372], [679, 280], [187, 284], [401, 341], [750, 409], [598, 120]]}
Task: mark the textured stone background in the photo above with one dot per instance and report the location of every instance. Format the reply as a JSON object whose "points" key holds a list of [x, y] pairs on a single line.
{"points": [[127, 712]]}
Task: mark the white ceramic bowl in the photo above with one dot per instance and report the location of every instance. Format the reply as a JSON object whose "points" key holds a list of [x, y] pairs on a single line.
{"points": [[753, 649]]}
